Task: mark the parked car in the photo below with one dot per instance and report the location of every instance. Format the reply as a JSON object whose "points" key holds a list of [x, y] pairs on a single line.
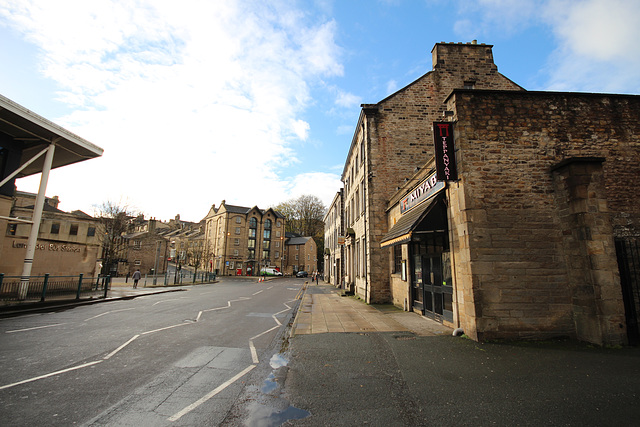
{"points": [[270, 272], [302, 274]]}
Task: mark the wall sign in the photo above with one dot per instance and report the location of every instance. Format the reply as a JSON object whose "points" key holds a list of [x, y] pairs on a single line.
{"points": [[446, 169], [425, 190]]}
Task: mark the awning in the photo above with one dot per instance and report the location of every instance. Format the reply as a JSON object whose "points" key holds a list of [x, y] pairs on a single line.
{"points": [[403, 230], [33, 133]]}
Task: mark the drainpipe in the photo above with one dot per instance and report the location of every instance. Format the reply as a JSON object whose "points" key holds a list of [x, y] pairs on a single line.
{"points": [[35, 228]]}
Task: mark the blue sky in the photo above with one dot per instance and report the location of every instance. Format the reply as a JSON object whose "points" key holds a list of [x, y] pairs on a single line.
{"points": [[256, 102]]}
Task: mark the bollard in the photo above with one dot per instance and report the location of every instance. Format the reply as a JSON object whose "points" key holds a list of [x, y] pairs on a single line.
{"points": [[44, 287]]}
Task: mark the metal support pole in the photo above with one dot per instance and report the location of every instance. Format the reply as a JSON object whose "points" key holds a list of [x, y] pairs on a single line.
{"points": [[35, 228], [79, 286], [44, 287]]}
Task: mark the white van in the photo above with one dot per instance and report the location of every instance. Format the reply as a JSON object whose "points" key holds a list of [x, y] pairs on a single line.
{"points": [[270, 272]]}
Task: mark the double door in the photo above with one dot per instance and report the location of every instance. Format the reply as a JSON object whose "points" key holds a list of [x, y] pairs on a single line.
{"points": [[431, 286]]}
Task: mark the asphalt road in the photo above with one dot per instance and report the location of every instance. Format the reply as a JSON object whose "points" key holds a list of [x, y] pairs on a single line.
{"points": [[180, 358]]}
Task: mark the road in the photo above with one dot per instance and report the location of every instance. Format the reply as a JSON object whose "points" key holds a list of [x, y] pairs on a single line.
{"points": [[180, 358]]}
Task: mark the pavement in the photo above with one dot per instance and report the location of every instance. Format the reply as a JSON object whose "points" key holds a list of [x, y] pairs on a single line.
{"points": [[323, 310], [355, 364]]}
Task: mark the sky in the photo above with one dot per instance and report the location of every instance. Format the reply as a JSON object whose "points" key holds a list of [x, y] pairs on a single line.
{"points": [[255, 102]]}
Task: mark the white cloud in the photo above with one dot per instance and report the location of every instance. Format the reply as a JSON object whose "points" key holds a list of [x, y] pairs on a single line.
{"points": [[348, 100], [596, 40], [180, 94], [321, 184]]}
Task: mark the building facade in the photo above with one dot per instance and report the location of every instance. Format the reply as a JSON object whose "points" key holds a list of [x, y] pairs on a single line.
{"points": [[388, 145], [67, 242], [244, 240], [334, 236], [518, 225], [301, 255]]}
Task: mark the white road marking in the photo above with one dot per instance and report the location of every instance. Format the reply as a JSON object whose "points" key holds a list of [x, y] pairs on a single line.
{"points": [[108, 312], [51, 374], [254, 353], [262, 290], [34, 328], [209, 395], [108, 356]]}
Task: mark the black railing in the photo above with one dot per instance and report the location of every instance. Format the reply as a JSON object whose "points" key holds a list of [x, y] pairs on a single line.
{"points": [[40, 288]]}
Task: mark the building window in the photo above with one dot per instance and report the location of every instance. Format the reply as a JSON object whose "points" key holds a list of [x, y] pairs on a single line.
{"points": [[252, 233], [296, 257], [137, 262], [237, 230], [91, 231], [265, 255], [267, 224], [277, 254], [251, 243], [236, 242], [238, 220], [11, 230], [230, 265], [251, 253], [55, 228], [235, 252], [397, 258], [253, 223], [278, 233], [267, 234], [277, 244], [266, 244], [278, 224], [73, 231], [137, 244]]}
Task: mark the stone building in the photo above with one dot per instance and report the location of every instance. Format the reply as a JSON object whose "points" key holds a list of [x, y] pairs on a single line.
{"points": [[146, 250], [301, 255], [67, 243], [244, 240], [527, 237], [334, 242], [391, 140]]}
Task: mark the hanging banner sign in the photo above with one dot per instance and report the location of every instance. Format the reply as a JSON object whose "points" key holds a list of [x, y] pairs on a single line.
{"points": [[422, 192], [446, 169]]}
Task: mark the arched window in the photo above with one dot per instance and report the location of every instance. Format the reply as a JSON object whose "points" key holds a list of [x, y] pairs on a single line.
{"points": [[267, 224], [253, 223]]}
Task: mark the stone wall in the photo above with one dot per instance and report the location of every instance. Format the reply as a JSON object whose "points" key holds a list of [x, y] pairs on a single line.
{"points": [[521, 238]]}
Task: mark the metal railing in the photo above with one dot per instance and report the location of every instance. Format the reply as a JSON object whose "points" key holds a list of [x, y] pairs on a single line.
{"points": [[41, 288]]}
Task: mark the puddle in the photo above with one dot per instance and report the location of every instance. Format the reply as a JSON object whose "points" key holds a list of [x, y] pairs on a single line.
{"points": [[271, 410], [264, 416]]}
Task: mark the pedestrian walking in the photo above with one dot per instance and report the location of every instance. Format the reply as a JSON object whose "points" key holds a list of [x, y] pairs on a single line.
{"points": [[317, 274], [136, 277]]}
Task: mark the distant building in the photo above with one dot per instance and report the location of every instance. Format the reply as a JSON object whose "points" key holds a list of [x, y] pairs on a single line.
{"points": [[301, 255], [243, 240], [146, 250], [334, 236]]}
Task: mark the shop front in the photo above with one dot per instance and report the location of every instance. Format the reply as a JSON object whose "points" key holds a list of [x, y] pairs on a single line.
{"points": [[420, 236]]}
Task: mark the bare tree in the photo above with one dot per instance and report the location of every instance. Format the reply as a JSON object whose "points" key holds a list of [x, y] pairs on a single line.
{"points": [[305, 217], [114, 220]]}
